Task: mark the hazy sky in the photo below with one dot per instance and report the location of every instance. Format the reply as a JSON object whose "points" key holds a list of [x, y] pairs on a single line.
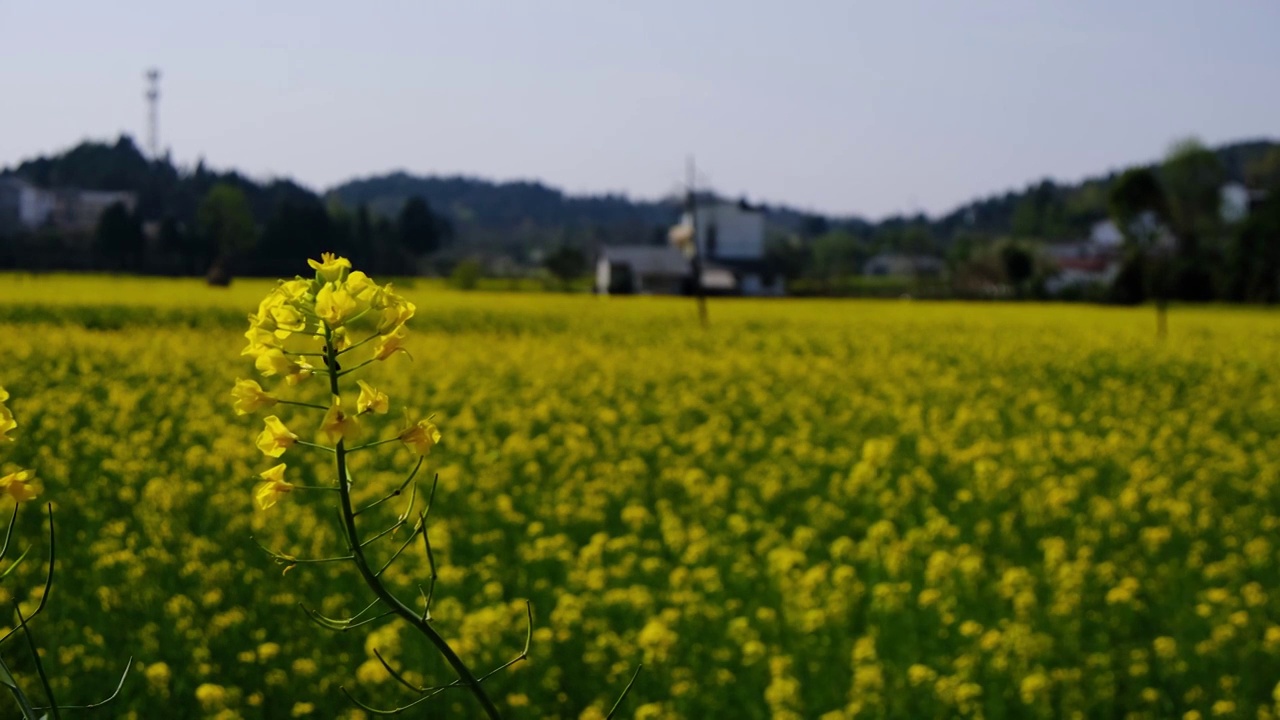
{"points": [[840, 106]]}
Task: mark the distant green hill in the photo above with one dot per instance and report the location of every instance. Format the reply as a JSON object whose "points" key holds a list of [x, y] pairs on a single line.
{"points": [[517, 218]]}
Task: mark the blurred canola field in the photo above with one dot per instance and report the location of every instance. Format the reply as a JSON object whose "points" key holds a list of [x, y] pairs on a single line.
{"points": [[812, 509]]}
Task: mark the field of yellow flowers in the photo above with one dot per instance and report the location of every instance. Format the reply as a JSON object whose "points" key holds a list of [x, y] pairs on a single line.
{"points": [[811, 509]]}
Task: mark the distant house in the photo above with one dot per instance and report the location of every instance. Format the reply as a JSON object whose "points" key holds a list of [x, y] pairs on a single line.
{"points": [[730, 242], [649, 269], [23, 206], [896, 265], [77, 211], [26, 207]]}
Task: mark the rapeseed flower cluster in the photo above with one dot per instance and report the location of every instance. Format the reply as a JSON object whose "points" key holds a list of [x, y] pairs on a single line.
{"points": [[960, 487], [18, 484]]}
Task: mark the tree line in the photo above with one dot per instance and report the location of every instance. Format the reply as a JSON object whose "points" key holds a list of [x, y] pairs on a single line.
{"points": [[202, 222]]}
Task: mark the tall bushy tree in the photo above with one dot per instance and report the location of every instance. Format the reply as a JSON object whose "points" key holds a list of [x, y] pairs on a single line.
{"points": [[226, 226], [118, 240], [419, 230], [1138, 207], [1192, 177]]}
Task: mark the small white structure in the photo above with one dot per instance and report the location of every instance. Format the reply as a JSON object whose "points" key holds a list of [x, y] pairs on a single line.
{"points": [[24, 206], [644, 269], [730, 242]]}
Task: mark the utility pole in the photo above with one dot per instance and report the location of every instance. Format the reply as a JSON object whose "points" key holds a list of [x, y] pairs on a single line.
{"points": [[153, 113], [695, 260]]}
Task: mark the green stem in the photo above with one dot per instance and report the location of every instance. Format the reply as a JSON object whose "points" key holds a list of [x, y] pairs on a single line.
{"points": [[348, 371], [371, 338], [35, 655], [326, 448], [373, 444], [301, 404], [24, 703], [362, 564]]}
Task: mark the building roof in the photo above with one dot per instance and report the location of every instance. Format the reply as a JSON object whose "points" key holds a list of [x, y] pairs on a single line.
{"points": [[648, 259]]}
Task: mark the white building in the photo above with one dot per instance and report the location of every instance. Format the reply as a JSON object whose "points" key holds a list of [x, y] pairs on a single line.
{"points": [[730, 242], [24, 206]]}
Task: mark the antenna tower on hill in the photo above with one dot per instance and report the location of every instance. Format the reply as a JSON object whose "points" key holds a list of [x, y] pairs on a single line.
{"points": [[153, 113]]}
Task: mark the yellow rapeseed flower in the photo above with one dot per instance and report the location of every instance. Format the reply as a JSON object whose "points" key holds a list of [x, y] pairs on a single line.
{"points": [[288, 320], [397, 313], [273, 485], [18, 485], [334, 305], [391, 343], [371, 400], [275, 362], [275, 438], [338, 424], [330, 267], [419, 437], [7, 423], [250, 397]]}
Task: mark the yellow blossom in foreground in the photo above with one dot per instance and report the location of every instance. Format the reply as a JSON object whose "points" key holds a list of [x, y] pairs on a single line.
{"points": [[361, 287], [337, 424], [273, 485], [18, 485], [330, 267], [397, 313], [7, 422], [288, 321], [275, 438], [334, 305], [390, 344], [371, 399], [275, 362], [250, 397], [419, 437]]}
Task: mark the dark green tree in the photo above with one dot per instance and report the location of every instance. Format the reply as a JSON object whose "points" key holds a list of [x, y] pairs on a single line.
{"points": [[1019, 266], [566, 263], [118, 239], [226, 227], [419, 230], [1138, 207], [1192, 178]]}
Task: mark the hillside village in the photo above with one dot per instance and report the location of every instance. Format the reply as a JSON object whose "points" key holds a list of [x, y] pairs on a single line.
{"points": [[101, 206]]}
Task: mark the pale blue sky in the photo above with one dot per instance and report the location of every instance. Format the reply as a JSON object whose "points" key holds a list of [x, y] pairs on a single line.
{"points": [[840, 106]]}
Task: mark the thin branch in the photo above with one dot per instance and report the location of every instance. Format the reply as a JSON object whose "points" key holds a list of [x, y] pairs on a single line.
{"points": [[301, 404], [340, 626], [349, 348], [397, 491], [35, 655], [15, 564], [9, 533], [623, 696], [304, 443], [465, 676], [399, 524], [19, 696], [375, 443], [430, 594], [350, 370], [48, 580], [291, 560], [417, 529], [109, 698]]}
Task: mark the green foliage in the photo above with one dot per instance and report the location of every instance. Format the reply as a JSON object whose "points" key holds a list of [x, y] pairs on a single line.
{"points": [[419, 230], [118, 240], [566, 263], [466, 275], [225, 222]]}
